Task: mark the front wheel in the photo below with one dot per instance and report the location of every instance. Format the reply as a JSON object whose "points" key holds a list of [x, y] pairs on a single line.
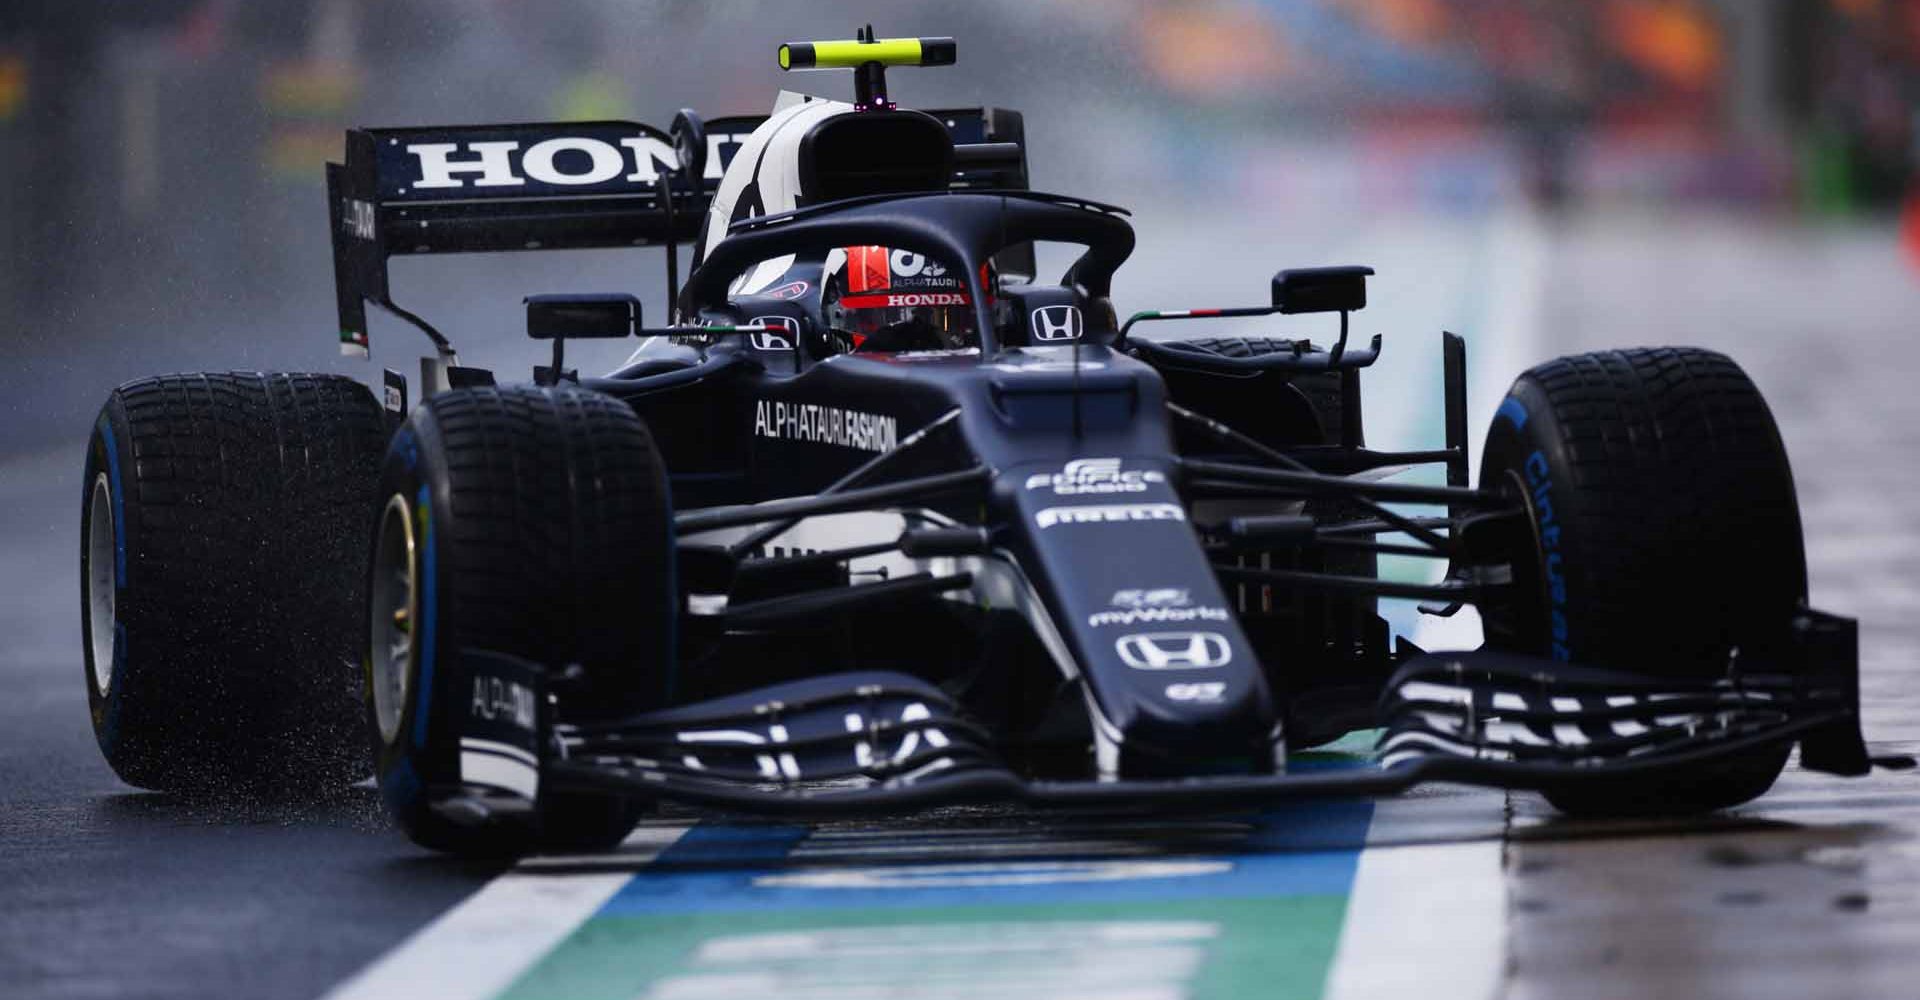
{"points": [[530, 522], [1668, 538]]}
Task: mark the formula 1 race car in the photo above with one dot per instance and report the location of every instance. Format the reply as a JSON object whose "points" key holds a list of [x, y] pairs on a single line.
{"points": [[883, 520]]}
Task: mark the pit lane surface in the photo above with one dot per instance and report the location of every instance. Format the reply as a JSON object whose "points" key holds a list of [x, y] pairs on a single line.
{"points": [[109, 892], [1810, 891], [964, 904]]}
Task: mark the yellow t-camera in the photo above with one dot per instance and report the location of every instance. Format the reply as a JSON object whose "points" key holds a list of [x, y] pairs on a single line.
{"points": [[854, 54]]}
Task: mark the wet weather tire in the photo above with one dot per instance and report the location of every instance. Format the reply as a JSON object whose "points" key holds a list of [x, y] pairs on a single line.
{"points": [[532, 522], [1668, 534], [223, 536]]}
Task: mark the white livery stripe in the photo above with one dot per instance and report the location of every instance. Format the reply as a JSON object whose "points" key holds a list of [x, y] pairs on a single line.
{"points": [[496, 747], [481, 767]]}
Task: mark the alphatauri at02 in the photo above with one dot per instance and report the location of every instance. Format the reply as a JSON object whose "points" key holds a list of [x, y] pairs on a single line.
{"points": [[883, 519]]}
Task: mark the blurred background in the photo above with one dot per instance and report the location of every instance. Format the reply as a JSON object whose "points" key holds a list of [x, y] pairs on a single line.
{"points": [[1535, 174]]}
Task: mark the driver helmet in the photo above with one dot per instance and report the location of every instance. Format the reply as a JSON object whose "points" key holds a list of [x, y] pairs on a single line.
{"points": [[897, 300]]}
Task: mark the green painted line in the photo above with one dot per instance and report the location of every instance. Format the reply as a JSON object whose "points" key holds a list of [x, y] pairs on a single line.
{"points": [[1277, 947]]}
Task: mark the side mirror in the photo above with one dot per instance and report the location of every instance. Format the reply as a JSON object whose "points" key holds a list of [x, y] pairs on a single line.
{"points": [[1321, 289], [558, 317]]}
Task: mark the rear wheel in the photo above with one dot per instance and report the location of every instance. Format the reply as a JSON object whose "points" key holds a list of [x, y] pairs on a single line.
{"points": [[223, 536], [532, 522], [1668, 534]]}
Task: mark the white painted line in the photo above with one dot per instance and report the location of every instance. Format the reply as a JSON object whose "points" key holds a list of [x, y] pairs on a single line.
{"points": [[844, 831], [982, 848], [478, 948], [978, 875], [1426, 920], [1077, 960]]}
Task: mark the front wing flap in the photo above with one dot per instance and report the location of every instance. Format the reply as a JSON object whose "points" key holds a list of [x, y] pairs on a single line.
{"points": [[862, 743]]}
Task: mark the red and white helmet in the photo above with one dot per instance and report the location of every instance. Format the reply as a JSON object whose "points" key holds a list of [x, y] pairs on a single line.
{"points": [[868, 290]]}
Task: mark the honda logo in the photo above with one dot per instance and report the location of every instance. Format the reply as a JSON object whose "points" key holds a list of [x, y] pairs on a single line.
{"points": [[1174, 650], [1056, 323], [566, 161], [768, 341]]}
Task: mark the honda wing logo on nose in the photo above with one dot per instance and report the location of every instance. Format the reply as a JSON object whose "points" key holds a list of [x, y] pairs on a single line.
{"points": [[1174, 650], [1056, 323]]}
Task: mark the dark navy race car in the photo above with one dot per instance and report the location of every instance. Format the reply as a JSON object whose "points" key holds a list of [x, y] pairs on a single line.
{"points": [[883, 518]]}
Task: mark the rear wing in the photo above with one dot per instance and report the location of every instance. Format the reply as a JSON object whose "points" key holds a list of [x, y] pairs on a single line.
{"points": [[550, 186], [495, 188]]}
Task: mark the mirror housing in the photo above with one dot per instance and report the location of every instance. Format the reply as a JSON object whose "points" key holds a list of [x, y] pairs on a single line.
{"points": [[560, 317], [1321, 289], [690, 145]]}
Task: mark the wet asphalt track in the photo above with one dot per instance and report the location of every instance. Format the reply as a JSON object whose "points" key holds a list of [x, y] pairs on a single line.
{"points": [[1810, 892], [109, 892]]}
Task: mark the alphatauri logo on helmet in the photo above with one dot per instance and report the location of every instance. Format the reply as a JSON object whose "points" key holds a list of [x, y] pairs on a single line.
{"points": [[907, 264]]}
